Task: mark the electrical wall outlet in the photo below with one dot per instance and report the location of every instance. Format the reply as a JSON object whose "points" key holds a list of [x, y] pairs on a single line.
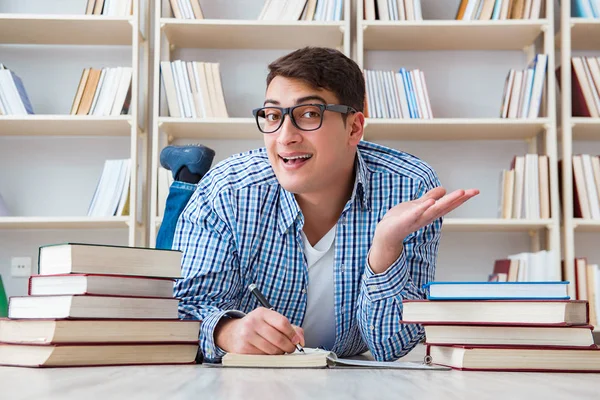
{"points": [[20, 266]]}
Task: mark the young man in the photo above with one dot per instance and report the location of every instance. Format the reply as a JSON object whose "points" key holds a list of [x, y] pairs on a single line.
{"points": [[334, 231]]}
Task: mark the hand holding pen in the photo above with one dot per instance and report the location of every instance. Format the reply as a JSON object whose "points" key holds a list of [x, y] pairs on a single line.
{"points": [[265, 303], [261, 331]]}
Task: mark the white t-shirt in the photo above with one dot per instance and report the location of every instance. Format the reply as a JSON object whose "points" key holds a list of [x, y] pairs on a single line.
{"points": [[319, 320]]}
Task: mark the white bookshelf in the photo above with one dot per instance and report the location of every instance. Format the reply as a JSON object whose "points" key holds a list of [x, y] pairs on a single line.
{"points": [[454, 128], [64, 222], [449, 34], [576, 35], [67, 125], [171, 34], [66, 29], [249, 34], [86, 31], [538, 135]]}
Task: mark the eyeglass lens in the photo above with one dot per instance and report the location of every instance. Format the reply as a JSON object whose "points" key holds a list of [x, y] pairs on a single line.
{"points": [[306, 117]]}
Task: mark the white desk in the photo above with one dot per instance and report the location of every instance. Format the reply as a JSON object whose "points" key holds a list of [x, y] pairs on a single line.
{"points": [[200, 383]]}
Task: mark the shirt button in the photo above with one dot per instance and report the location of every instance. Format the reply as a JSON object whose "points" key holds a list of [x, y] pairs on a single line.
{"points": [[303, 291], [372, 327], [342, 267]]}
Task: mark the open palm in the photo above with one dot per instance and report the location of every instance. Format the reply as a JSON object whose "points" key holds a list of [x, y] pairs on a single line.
{"points": [[408, 217]]}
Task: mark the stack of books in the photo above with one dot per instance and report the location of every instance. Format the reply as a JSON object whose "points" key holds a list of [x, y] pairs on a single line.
{"points": [[95, 305], [505, 326]]}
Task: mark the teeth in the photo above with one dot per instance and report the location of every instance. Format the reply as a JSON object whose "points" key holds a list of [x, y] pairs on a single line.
{"points": [[297, 157]]}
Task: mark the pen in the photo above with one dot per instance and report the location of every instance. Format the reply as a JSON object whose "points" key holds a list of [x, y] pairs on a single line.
{"points": [[265, 303]]}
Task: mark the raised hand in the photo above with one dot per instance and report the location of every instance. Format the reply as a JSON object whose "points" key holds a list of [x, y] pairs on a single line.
{"points": [[408, 217]]}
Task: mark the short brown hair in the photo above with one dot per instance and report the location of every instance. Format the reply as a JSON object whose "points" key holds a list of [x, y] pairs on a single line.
{"points": [[324, 68]]}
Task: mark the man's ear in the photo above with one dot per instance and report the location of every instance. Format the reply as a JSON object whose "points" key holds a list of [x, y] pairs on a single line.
{"points": [[356, 125]]}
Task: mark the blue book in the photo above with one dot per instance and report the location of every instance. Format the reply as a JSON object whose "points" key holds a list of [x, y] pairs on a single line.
{"points": [[497, 290]]}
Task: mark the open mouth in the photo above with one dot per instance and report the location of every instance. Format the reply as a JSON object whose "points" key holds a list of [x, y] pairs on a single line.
{"points": [[296, 160]]}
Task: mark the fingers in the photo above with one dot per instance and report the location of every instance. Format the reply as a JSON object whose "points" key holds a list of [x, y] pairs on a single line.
{"points": [[300, 333], [271, 341], [449, 203], [435, 193], [281, 332]]}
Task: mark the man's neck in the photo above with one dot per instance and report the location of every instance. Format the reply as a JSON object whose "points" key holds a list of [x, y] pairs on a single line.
{"points": [[320, 212]]}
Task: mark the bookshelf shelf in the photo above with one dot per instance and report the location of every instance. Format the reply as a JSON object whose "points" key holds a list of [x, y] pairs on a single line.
{"points": [[250, 34], [64, 125], [585, 34], [64, 223], [494, 225], [586, 128], [210, 128], [586, 225], [451, 34], [453, 129], [65, 29]]}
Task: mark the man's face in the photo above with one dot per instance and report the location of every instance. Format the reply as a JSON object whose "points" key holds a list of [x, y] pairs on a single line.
{"points": [[307, 162]]}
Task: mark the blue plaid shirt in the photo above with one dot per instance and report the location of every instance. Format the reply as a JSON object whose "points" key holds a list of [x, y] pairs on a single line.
{"points": [[240, 227]]}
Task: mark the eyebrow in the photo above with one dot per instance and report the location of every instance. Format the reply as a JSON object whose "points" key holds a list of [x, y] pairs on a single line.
{"points": [[299, 100]]}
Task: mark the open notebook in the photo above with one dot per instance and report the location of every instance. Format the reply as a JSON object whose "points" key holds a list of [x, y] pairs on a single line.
{"points": [[314, 358]]}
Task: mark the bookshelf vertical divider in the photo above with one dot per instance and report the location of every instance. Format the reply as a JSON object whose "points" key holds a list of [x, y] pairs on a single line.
{"points": [[568, 226]]}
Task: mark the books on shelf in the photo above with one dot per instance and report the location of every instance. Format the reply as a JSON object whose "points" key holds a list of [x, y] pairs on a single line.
{"points": [[113, 8], [585, 8], [392, 10], [103, 92], [13, 96], [523, 89], [401, 94], [193, 89], [302, 10], [186, 9], [525, 188], [499, 9], [111, 197], [585, 86], [63, 325], [500, 330], [586, 186], [539, 266], [587, 286]]}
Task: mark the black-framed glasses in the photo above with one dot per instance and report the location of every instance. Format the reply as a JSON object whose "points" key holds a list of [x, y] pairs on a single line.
{"points": [[306, 117]]}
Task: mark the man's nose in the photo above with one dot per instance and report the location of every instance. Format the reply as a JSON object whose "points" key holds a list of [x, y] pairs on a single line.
{"points": [[288, 133]]}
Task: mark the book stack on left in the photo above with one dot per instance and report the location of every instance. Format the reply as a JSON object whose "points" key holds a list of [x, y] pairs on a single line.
{"points": [[93, 305], [505, 326]]}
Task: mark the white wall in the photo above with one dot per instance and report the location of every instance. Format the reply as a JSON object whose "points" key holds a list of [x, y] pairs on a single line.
{"points": [[57, 176]]}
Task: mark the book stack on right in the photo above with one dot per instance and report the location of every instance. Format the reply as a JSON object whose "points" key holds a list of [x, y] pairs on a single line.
{"points": [[93, 305], [505, 326]]}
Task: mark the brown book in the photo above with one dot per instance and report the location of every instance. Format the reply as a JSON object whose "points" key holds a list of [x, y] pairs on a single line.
{"points": [[89, 9], [80, 89], [88, 93]]}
